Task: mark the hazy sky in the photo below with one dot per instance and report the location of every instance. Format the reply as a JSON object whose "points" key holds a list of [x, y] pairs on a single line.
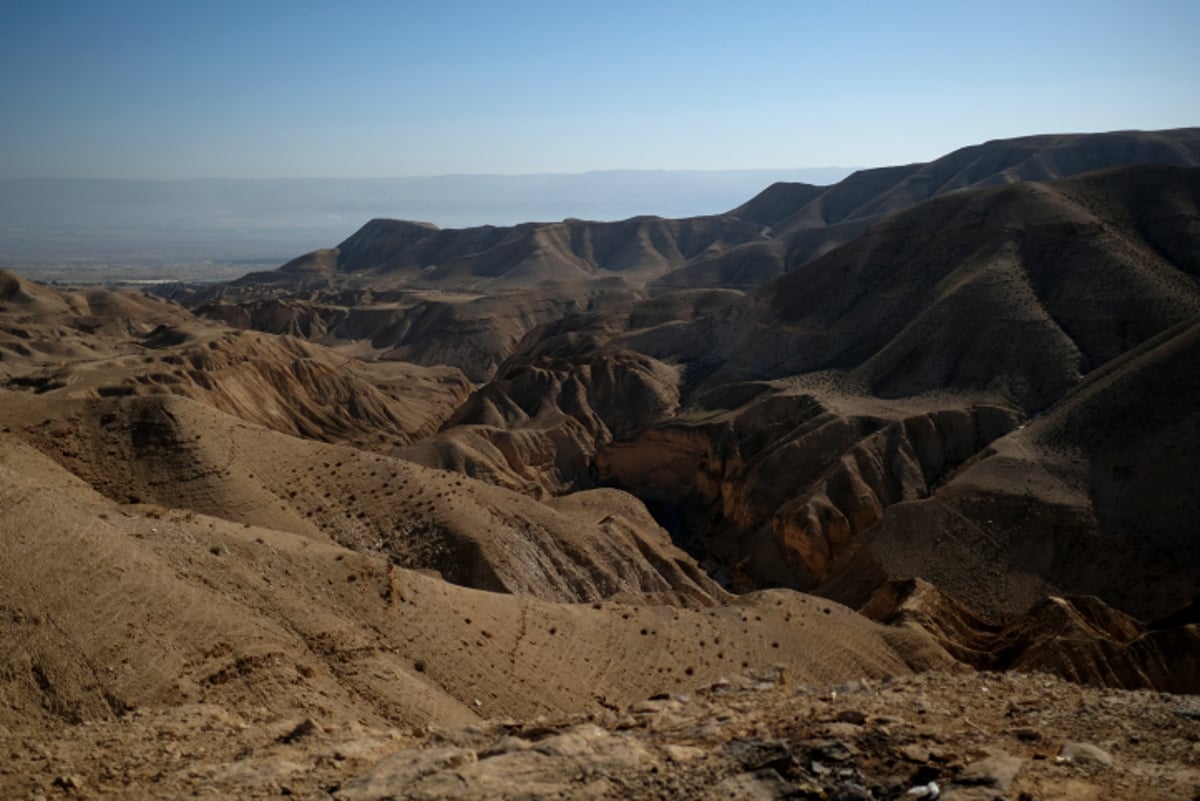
{"points": [[256, 88]]}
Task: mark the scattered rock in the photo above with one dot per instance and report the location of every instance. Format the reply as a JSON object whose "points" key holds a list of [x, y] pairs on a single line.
{"points": [[755, 754], [393, 774], [831, 750], [1085, 754], [1028, 734], [924, 792], [682, 753], [841, 731]]}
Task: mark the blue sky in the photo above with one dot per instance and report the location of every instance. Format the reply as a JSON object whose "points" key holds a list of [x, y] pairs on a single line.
{"points": [[177, 89]]}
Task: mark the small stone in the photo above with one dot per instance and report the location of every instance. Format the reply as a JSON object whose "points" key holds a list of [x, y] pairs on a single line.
{"points": [[852, 716], [69, 782], [306, 728], [851, 792], [997, 771], [753, 754], [831, 750], [924, 792], [1086, 754], [682, 753], [841, 731]]}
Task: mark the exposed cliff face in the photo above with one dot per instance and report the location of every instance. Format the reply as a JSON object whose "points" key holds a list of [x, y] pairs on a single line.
{"points": [[780, 490]]}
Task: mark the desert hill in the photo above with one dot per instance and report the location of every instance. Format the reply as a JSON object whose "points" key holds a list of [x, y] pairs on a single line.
{"points": [[475, 478], [649, 247], [47, 325], [878, 192], [59, 343], [523, 255], [235, 424], [187, 608], [867, 359], [777, 429], [163, 555], [175, 453]]}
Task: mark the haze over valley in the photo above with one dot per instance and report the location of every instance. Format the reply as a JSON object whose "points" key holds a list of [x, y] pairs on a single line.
{"points": [[210, 229]]}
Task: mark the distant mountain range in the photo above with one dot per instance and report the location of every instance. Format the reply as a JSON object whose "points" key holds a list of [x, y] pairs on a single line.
{"points": [[221, 220]]}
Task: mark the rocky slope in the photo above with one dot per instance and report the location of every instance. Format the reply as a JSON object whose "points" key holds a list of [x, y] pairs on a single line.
{"points": [[759, 735], [1068, 275], [1107, 473], [470, 330], [178, 454], [781, 489]]}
